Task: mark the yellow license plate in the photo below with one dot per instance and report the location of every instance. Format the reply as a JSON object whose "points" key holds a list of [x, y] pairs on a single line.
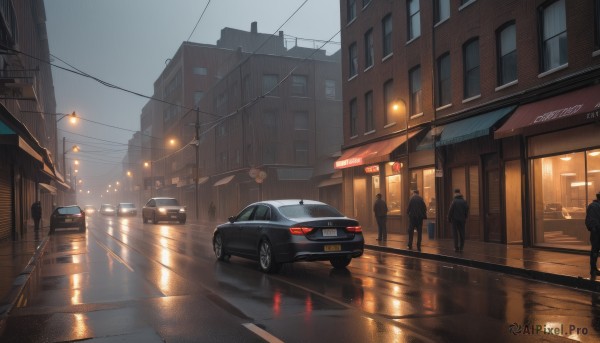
{"points": [[333, 247]]}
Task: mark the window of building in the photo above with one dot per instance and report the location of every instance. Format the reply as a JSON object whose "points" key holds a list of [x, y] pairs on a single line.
{"points": [[221, 130], [507, 53], [597, 25], [387, 35], [416, 91], [393, 186], [299, 87], [198, 95], [441, 10], [269, 152], [553, 25], [414, 19], [351, 14], [247, 89], [301, 120], [424, 181], [301, 152], [352, 60], [444, 86], [471, 68], [369, 120], [353, 118], [223, 160], [269, 82], [369, 50], [330, 89], [564, 185], [388, 97], [200, 71]]}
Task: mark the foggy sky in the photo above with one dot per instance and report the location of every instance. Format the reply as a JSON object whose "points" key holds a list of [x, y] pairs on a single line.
{"points": [[126, 43]]}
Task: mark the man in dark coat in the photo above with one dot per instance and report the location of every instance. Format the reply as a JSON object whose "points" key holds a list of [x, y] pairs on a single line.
{"points": [[592, 222], [417, 212], [457, 215], [380, 208], [36, 214]]}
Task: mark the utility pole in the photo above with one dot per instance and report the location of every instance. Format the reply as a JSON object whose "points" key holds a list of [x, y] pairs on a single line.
{"points": [[197, 144]]}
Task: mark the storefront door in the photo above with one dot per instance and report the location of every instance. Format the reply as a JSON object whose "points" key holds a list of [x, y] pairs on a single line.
{"points": [[492, 211]]}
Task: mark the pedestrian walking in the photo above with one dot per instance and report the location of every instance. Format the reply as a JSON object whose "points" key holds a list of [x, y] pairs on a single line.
{"points": [[592, 222], [457, 215], [380, 208], [36, 214], [417, 212]]}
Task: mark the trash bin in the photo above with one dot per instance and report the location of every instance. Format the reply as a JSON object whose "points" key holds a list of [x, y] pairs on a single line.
{"points": [[431, 229]]}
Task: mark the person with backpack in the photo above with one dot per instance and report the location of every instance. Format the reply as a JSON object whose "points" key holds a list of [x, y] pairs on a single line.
{"points": [[592, 222]]}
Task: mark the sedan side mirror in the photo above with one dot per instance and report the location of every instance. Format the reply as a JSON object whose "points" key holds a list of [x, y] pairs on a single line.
{"points": [[231, 219]]}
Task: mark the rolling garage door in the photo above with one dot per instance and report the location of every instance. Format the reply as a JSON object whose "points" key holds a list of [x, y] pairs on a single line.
{"points": [[6, 211]]}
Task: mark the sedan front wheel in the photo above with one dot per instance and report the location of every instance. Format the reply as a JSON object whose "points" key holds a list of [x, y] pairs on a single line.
{"points": [[219, 248], [266, 259]]}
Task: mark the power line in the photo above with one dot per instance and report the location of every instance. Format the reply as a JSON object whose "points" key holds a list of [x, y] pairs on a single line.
{"points": [[198, 22]]}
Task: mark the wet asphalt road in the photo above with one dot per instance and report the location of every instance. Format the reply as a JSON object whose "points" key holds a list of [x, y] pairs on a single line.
{"points": [[124, 281]]}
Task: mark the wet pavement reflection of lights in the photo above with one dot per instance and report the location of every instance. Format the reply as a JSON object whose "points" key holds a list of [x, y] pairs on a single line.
{"points": [[80, 328], [76, 287], [308, 302], [277, 303]]}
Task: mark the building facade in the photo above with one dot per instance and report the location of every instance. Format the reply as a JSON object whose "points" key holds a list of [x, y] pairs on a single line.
{"points": [[497, 99], [28, 142], [247, 119]]}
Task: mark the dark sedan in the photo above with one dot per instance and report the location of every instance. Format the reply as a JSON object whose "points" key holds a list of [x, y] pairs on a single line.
{"points": [[282, 231], [67, 217]]}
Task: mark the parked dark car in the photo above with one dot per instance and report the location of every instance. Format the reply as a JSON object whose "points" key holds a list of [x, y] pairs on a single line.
{"points": [[126, 209], [67, 217], [163, 209], [282, 231], [107, 210]]}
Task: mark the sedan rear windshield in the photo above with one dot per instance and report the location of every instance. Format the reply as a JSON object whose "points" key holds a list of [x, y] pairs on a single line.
{"points": [[309, 211], [69, 210], [167, 202], [126, 205]]}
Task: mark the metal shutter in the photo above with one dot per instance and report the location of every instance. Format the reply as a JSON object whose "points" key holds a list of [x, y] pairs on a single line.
{"points": [[6, 209]]}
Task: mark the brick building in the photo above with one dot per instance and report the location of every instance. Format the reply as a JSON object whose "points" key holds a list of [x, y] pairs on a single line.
{"points": [[258, 109], [484, 96]]}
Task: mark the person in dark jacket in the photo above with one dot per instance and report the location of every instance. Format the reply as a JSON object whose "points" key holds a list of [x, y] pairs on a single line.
{"points": [[457, 215], [36, 214], [417, 212], [592, 222], [380, 208]]}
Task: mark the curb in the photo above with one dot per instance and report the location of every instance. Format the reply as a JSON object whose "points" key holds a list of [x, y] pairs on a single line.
{"points": [[563, 280], [20, 286]]}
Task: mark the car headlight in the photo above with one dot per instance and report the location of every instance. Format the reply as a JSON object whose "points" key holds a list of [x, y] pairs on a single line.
{"points": [[182, 210], [162, 210]]}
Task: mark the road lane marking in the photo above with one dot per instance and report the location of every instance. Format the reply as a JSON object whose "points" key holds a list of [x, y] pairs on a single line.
{"points": [[262, 333], [114, 255]]}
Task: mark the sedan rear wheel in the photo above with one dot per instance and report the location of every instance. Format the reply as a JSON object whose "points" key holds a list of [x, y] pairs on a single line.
{"points": [[340, 261], [266, 259]]}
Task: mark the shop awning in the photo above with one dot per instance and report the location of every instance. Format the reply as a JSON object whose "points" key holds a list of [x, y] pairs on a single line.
{"points": [[472, 127], [552, 114], [224, 181], [371, 153], [48, 188]]}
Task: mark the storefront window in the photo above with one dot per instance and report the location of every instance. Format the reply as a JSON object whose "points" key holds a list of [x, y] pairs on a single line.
{"points": [[393, 186], [563, 188], [424, 181]]}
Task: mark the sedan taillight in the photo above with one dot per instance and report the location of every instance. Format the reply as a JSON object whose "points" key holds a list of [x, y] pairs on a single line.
{"points": [[300, 230], [355, 229]]}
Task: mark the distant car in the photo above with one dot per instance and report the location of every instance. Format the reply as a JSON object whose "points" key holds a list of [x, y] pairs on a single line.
{"points": [[163, 209], [107, 210], [89, 209], [126, 209], [67, 217], [282, 231]]}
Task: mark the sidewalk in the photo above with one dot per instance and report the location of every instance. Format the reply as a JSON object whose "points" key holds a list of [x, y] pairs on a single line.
{"points": [[19, 260], [562, 268]]}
